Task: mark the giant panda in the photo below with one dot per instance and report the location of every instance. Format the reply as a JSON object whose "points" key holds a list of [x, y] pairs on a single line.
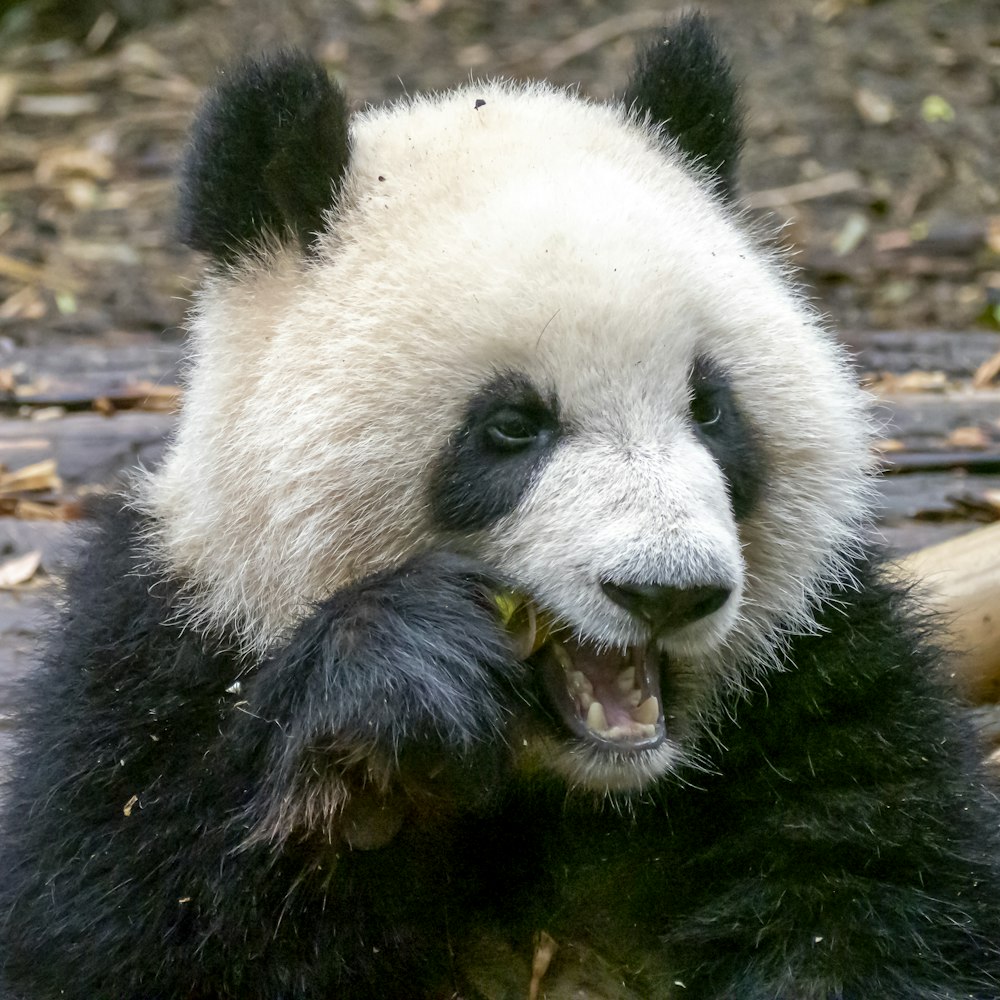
{"points": [[506, 618]]}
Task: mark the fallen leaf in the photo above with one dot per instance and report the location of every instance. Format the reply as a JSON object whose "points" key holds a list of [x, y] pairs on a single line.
{"points": [[935, 108]]}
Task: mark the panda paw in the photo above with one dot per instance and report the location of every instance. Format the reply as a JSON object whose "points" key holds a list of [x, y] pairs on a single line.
{"points": [[406, 678], [427, 638]]}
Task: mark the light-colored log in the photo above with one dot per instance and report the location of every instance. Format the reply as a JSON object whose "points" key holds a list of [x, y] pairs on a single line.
{"points": [[961, 579]]}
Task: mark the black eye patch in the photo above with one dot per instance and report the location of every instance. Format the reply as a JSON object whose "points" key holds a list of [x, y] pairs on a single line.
{"points": [[507, 434], [727, 434]]}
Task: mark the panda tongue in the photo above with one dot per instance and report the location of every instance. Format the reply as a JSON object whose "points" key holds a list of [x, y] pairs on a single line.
{"points": [[609, 697]]}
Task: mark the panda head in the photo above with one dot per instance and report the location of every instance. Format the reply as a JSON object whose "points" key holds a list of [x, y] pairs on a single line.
{"points": [[513, 322]]}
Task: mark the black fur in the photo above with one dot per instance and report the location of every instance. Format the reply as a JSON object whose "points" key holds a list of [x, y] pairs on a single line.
{"points": [[267, 153], [729, 436], [155, 768], [843, 845], [685, 82], [507, 434]]}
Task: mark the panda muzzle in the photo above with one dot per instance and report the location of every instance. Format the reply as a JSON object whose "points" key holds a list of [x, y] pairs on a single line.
{"points": [[608, 697]]}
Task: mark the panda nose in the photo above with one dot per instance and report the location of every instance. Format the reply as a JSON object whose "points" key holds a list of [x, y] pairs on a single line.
{"points": [[665, 608]]}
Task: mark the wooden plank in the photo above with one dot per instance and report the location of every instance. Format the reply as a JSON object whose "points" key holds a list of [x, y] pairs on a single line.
{"points": [[88, 376], [957, 354], [926, 419], [88, 448]]}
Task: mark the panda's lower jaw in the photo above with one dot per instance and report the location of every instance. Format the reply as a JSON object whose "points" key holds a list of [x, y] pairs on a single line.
{"points": [[610, 699]]}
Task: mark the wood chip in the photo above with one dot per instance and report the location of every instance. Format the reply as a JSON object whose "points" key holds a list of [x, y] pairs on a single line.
{"points": [[66, 161], [874, 108], [987, 372], [36, 510], [8, 93], [850, 236], [599, 35], [57, 105], [26, 303], [101, 30], [886, 446], [19, 270], [19, 570], [31, 478], [969, 437], [821, 187], [910, 382]]}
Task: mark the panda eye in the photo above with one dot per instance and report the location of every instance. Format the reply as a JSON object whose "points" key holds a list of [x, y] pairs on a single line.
{"points": [[511, 430], [704, 409], [709, 395]]}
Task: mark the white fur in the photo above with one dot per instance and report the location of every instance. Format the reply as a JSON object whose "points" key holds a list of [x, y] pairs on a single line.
{"points": [[543, 234]]}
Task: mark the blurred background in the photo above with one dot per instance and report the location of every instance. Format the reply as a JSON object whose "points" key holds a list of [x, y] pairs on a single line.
{"points": [[873, 133]]}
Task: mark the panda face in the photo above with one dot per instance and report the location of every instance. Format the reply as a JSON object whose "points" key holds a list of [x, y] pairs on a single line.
{"points": [[529, 332], [640, 513]]}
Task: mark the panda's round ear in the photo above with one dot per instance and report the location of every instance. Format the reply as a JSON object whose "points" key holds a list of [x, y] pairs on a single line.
{"points": [[684, 81], [267, 153]]}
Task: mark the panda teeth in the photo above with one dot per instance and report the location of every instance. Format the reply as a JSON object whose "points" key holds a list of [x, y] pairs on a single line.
{"points": [[626, 680], [596, 719], [564, 660], [648, 712]]}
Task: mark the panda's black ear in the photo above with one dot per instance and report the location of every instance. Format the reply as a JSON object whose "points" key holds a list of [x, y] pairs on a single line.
{"points": [[267, 152], [686, 83]]}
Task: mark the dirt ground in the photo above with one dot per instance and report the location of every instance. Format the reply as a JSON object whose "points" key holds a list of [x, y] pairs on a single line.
{"points": [[873, 135]]}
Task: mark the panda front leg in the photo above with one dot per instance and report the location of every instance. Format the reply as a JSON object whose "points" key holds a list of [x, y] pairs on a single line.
{"points": [[379, 729]]}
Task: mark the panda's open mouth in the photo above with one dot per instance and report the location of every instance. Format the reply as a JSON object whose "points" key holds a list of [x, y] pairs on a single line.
{"points": [[611, 698]]}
